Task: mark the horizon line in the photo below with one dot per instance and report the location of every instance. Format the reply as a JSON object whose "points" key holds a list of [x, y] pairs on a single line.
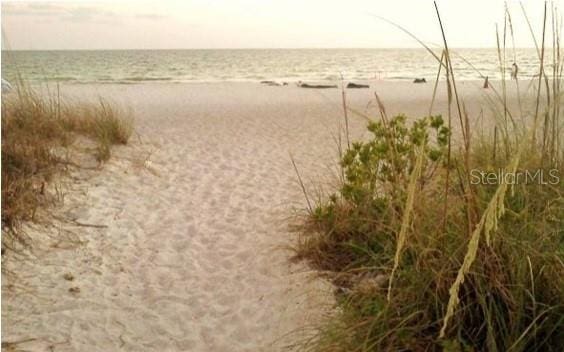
{"points": [[266, 48]]}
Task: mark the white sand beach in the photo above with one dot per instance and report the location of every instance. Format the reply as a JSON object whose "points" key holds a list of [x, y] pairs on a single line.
{"points": [[192, 249]]}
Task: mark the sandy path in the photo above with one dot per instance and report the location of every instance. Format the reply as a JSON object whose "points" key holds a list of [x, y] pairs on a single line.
{"points": [[191, 259]]}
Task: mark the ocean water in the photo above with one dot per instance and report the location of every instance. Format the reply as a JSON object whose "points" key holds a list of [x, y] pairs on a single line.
{"points": [[135, 66]]}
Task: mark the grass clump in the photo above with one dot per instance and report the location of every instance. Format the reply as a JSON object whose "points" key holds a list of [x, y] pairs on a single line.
{"points": [[101, 121], [30, 132], [426, 253], [37, 130]]}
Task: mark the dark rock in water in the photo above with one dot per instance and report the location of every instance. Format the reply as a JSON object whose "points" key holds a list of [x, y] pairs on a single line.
{"points": [[420, 80], [356, 85], [316, 86], [273, 83]]}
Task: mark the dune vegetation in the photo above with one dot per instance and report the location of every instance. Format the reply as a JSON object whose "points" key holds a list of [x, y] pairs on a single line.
{"points": [[428, 252], [38, 130]]}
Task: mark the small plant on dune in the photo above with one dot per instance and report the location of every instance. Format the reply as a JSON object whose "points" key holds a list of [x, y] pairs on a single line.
{"points": [[108, 126], [389, 157], [102, 121], [376, 173], [35, 128]]}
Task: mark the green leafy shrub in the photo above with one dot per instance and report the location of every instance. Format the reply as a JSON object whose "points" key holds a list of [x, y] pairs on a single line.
{"points": [[376, 172], [387, 159]]}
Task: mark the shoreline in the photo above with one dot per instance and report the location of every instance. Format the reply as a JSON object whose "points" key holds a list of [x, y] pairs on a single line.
{"points": [[289, 81]]}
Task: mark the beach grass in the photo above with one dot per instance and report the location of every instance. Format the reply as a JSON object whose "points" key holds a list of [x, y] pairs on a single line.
{"points": [[428, 255], [37, 131], [102, 121]]}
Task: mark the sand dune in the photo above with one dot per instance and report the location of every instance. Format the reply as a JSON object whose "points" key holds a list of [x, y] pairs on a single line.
{"points": [[195, 213]]}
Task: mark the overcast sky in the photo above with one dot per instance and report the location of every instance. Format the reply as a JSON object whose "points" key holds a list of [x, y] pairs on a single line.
{"points": [[163, 24]]}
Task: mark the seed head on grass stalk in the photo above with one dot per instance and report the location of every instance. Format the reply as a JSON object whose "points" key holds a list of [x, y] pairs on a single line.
{"points": [[406, 220], [487, 225]]}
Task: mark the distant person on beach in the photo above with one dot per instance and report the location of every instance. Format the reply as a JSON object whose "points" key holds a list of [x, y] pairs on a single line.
{"points": [[514, 71], [487, 82]]}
